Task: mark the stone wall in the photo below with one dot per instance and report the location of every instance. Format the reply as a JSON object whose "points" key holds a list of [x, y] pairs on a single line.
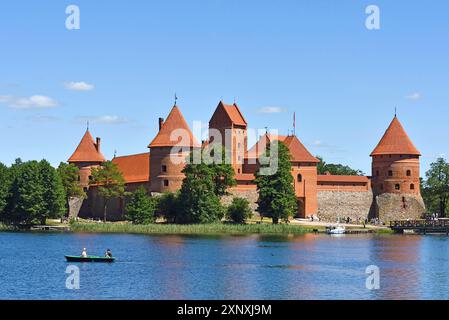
{"points": [[399, 207], [344, 204], [249, 194], [75, 204]]}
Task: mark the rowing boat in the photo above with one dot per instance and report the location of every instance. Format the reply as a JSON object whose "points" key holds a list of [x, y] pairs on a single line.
{"points": [[89, 259]]}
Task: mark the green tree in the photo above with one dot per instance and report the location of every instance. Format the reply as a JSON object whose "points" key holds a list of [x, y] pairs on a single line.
{"points": [[25, 201], [198, 201], [239, 210], [277, 198], [141, 208], [54, 195], [436, 187], [5, 183], [204, 184], [336, 169], [169, 207], [69, 174], [111, 183]]}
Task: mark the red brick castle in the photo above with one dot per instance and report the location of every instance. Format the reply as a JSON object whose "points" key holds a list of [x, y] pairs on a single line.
{"points": [[393, 191]]}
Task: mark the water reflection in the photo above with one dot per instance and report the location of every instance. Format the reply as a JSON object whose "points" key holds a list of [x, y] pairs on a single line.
{"points": [[308, 266]]}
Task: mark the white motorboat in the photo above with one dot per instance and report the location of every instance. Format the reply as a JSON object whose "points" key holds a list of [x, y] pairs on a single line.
{"points": [[338, 229]]}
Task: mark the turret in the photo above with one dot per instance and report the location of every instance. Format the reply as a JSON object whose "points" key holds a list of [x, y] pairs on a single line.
{"points": [[168, 150], [87, 156]]}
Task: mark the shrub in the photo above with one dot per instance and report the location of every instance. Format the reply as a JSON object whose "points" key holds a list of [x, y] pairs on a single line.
{"points": [[239, 210]]}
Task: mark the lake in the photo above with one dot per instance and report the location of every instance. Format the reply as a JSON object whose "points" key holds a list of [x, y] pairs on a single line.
{"points": [[32, 266]]}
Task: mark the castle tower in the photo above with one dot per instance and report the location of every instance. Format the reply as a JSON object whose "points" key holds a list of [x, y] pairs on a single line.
{"points": [[229, 123], [395, 176], [168, 151], [87, 156]]}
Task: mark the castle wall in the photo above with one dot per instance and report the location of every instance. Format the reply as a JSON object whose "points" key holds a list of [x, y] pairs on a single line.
{"points": [[399, 207], [247, 192], [92, 207], [358, 206]]}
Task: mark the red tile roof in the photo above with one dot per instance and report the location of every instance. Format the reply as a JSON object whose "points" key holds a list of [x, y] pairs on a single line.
{"points": [[395, 141], [335, 178], [297, 150], [175, 121], [135, 168], [87, 151], [259, 148], [234, 113]]}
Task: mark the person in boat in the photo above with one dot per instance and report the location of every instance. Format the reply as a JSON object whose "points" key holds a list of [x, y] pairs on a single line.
{"points": [[84, 254], [108, 253]]}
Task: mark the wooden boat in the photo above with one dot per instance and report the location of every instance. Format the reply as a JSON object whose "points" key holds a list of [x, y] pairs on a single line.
{"points": [[89, 259]]}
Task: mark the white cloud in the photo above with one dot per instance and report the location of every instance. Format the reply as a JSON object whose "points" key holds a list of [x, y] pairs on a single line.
{"points": [[79, 86], [271, 110], [32, 102], [106, 119], [414, 96]]}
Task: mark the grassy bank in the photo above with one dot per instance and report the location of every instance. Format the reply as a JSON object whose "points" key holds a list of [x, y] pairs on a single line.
{"points": [[215, 229], [5, 228]]}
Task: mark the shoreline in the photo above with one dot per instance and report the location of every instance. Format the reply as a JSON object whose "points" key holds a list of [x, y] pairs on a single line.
{"points": [[202, 229]]}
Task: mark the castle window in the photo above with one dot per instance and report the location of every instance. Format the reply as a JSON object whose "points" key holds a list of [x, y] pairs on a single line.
{"points": [[79, 178], [164, 168], [412, 187], [390, 173], [90, 178], [377, 173], [299, 178], [238, 171], [397, 186], [165, 183], [409, 173]]}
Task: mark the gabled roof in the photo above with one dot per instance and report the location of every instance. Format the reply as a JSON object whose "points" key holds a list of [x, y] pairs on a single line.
{"points": [[87, 151], [395, 141], [135, 168], [231, 112], [259, 148], [297, 150], [175, 121]]}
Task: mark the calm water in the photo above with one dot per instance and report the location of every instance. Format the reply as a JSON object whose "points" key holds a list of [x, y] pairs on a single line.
{"points": [[32, 266]]}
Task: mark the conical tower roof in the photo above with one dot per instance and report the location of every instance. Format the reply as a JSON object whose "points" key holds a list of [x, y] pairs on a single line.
{"points": [[175, 121], [395, 141], [87, 151]]}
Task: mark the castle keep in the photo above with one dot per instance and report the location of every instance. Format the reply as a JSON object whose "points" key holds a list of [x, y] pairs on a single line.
{"points": [[392, 192]]}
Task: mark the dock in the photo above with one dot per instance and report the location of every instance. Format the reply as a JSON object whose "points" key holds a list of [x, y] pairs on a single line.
{"points": [[50, 228], [421, 226]]}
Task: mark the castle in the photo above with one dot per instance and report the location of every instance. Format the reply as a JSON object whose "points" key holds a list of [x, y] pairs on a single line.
{"points": [[392, 192]]}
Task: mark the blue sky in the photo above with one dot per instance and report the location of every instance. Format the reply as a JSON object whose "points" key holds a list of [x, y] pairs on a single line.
{"points": [[313, 57]]}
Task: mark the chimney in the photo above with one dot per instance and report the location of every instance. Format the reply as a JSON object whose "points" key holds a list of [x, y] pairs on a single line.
{"points": [[161, 122], [97, 145]]}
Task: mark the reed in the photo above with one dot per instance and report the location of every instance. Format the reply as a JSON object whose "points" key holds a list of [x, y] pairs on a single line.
{"points": [[216, 229]]}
